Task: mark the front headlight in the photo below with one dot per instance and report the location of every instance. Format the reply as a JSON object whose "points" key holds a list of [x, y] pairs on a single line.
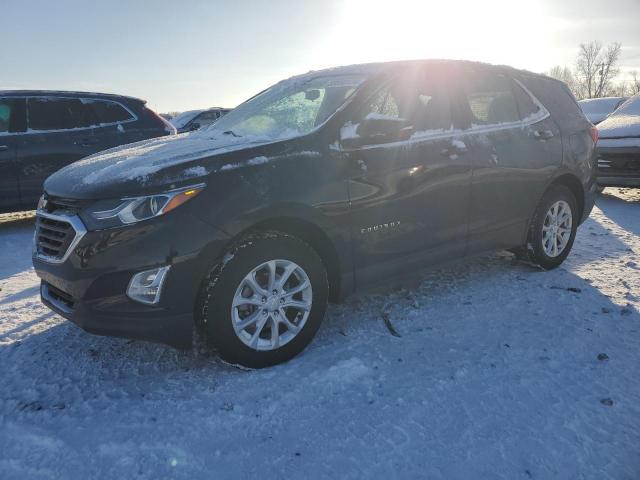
{"points": [[136, 209]]}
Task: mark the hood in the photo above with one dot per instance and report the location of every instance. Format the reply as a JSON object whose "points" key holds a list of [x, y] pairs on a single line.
{"points": [[150, 164], [620, 126]]}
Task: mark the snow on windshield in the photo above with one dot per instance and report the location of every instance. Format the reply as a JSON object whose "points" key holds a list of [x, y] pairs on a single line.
{"points": [[292, 107], [630, 107], [624, 122]]}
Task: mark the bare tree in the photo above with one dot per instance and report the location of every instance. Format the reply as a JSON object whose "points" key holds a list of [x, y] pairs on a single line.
{"points": [[595, 68], [564, 74], [634, 84]]}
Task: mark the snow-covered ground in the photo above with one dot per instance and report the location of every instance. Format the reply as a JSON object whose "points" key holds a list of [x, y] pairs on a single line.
{"points": [[499, 370]]}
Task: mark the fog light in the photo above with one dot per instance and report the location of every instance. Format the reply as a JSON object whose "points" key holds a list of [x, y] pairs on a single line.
{"points": [[145, 287]]}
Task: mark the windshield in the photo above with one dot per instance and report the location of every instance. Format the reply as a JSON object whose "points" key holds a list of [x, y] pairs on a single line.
{"points": [[630, 107], [182, 119], [290, 108]]}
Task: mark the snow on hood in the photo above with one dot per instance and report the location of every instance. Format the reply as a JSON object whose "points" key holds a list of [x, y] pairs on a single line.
{"points": [[179, 121], [145, 162], [624, 122]]}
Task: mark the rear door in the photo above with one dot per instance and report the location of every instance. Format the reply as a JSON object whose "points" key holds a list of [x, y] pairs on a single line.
{"points": [[11, 123], [409, 194], [515, 148], [60, 131]]}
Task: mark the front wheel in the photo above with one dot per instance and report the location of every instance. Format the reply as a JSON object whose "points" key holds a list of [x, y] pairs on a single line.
{"points": [[264, 303], [553, 228]]}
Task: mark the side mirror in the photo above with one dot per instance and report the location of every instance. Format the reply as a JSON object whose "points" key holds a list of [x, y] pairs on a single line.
{"points": [[376, 129], [194, 126]]}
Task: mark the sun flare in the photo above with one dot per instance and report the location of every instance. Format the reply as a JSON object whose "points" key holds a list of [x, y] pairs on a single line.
{"points": [[495, 31]]}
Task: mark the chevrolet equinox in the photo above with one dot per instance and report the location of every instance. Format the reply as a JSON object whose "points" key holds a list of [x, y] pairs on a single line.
{"points": [[322, 183]]}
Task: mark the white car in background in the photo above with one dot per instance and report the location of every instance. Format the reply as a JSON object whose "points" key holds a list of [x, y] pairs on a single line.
{"points": [[195, 119], [619, 146], [597, 109]]}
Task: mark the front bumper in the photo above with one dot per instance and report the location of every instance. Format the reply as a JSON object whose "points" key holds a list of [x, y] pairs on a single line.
{"points": [[89, 287]]}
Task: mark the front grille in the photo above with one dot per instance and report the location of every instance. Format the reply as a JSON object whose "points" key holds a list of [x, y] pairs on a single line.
{"points": [[56, 236], [619, 165], [59, 297], [53, 237]]}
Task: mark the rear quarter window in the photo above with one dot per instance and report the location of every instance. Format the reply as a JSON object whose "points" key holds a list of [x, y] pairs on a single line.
{"points": [[559, 101], [107, 112]]}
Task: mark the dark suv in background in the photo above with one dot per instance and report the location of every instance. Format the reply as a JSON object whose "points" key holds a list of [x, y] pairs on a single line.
{"points": [[43, 131], [318, 185]]}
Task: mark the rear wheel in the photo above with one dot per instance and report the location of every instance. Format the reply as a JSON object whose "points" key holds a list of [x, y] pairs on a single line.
{"points": [[553, 228], [264, 304]]}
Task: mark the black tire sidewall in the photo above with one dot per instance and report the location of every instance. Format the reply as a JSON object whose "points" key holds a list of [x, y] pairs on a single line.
{"points": [[218, 323], [538, 255]]}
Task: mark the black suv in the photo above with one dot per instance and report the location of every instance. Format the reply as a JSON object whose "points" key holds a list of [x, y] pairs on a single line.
{"points": [[43, 131], [320, 184]]}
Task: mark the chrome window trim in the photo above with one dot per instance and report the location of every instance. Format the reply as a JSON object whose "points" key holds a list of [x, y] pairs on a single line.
{"points": [[543, 114], [134, 117], [76, 224]]}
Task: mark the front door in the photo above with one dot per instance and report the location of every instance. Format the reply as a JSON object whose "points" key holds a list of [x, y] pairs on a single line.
{"points": [[409, 190]]}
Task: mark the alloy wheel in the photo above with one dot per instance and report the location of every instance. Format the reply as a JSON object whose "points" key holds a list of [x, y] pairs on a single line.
{"points": [[271, 304], [556, 228]]}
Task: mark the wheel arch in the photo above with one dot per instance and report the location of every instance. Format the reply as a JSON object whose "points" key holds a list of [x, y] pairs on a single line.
{"points": [[302, 223], [567, 179], [572, 182]]}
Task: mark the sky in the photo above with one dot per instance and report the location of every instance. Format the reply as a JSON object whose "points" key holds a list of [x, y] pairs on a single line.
{"points": [[181, 55]]}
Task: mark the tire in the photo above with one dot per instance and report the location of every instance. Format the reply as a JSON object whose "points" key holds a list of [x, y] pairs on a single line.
{"points": [[220, 318], [539, 251]]}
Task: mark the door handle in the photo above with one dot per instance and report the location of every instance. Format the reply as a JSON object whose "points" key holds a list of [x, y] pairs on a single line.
{"points": [[543, 134], [4, 148]]}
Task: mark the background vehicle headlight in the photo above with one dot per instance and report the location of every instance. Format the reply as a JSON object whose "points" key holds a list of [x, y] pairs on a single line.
{"points": [[137, 209]]}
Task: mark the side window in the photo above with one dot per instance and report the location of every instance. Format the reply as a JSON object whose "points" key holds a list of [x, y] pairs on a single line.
{"points": [[50, 113], [491, 99], [108, 112], [421, 103], [383, 104], [6, 110], [526, 106]]}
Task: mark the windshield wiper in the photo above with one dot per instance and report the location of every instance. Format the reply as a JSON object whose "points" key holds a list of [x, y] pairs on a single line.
{"points": [[231, 132]]}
